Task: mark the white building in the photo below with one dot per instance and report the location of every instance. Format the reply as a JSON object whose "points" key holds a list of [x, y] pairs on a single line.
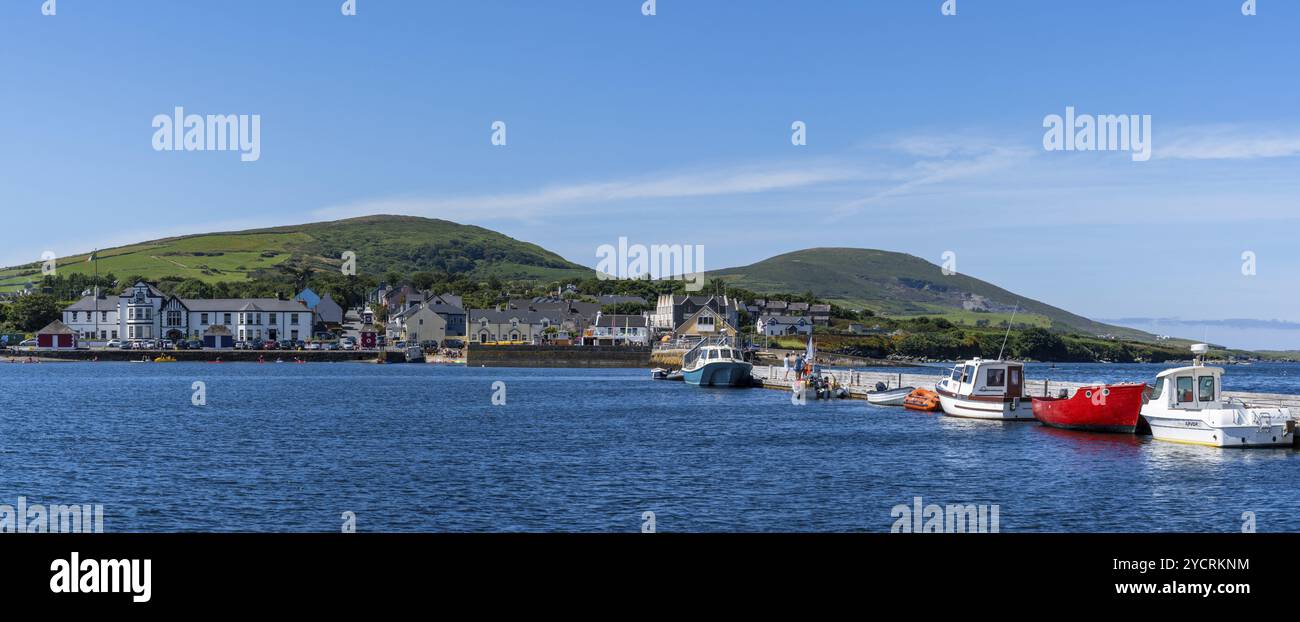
{"points": [[93, 318], [618, 330], [779, 325], [146, 313]]}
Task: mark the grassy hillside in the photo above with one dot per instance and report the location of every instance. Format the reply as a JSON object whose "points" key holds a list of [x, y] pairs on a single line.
{"points": [[382, 243], [901, 285]]}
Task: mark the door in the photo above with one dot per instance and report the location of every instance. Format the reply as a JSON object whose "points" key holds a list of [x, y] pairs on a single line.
{"points": [[1015, 381]]}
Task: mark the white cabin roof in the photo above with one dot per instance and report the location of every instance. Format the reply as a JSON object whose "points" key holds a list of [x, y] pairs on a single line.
{"points": [[1201, 369]]}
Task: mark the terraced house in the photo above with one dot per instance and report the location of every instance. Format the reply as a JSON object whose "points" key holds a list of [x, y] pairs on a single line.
{"points": [[534, 327]]}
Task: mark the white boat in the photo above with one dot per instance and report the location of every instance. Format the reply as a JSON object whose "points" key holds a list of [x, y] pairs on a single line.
{"points": [[1188, 406], [979, 389], [889, 397], [715, 362]]}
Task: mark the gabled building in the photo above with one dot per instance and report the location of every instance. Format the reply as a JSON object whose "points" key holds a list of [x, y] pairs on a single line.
{"points": [[820, 313], [56, 336], [781, 325], [146, 313], [452, 311], [325, 311], [672, 310], [706, 322], [421, 324]]}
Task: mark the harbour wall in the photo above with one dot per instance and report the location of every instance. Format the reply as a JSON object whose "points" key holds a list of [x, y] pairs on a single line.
{"points": [[228, 356], [556, 356]]}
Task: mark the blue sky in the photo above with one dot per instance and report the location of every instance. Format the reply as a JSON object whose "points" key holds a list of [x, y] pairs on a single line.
{"points": [[924, 131]]}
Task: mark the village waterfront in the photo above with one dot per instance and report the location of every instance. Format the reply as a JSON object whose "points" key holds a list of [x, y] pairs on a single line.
{"points": [[429, 448]]}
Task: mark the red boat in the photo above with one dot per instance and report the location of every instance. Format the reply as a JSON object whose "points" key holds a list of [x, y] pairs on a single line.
{"points": [[1104, 408]]}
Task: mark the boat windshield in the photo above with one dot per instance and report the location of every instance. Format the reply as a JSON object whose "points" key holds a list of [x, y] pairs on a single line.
{"points": [[968, 373], [956, 374], [713, 354]]}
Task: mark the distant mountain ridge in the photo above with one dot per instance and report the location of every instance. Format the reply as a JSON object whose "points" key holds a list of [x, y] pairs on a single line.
{"points": [[898, 284]]}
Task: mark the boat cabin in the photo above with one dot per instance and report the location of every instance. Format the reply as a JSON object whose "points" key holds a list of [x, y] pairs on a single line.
{"points": [[980, 378], [1189, 388]]}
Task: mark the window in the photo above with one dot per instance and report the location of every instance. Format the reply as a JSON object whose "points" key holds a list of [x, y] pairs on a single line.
{"points": [[1184, 394], [173, 318], [956, 374], [1206, 393], [705, 320], [203, 318], [1159, 389], [968, 373], [74, 316], [996, 378], [103, 316], [293, 334], [227, 319], [293, 319], [272, 322]]}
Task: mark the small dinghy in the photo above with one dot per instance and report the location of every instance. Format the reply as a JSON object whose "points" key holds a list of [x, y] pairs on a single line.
{"points": [[659, 373], [883, 396], [923, 400]]}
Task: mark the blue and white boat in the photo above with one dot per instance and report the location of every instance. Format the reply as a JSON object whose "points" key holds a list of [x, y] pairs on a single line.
{"points": [[716, 364]]}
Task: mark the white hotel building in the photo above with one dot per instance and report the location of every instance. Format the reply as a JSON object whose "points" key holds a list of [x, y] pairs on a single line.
{"points": [[143, 312]]}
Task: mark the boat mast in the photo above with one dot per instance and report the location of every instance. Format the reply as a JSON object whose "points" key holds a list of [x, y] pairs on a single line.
{"points": [[1004, 337]]}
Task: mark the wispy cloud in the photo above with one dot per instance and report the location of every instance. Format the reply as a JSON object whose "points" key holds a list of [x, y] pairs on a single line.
{"points": [[573, 197], [1229, 142]]}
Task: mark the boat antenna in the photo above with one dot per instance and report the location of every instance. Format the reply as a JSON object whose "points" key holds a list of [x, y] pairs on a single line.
{"points": [[1004, 337]]}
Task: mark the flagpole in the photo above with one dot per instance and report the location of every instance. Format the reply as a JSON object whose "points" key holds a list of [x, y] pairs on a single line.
{"points": [[95, 262]]}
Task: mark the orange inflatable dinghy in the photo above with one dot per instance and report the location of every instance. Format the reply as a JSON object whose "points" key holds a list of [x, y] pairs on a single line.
{"points": [[923, 400]]}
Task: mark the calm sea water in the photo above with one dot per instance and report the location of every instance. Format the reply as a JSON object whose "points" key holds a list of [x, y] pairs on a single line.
{"points": [[421, 448]]}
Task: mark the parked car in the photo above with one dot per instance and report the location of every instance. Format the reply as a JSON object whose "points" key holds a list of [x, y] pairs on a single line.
{"points": [[333, 345], [268, 345], [347, 345], [289, 344], [113, 343], [28, 343], [243, 345], [313, 345], [166, 344], [453, 343]]}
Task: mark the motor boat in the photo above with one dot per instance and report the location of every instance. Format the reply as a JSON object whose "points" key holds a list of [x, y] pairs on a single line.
{"points": [[979, 389], [1095, 408], [1188, 406], [884, 396], [715, 362]]}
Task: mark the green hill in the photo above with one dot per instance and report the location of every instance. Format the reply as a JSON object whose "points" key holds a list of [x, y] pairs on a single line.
{"points": [[382, 243], [902, 285]]}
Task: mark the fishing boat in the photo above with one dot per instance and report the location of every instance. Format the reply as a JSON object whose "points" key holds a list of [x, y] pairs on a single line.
{"points": [[1188, 406], [923, 400], [716, 362], [979, 389], [659, 373], [1096, 408], [884, 396]]}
